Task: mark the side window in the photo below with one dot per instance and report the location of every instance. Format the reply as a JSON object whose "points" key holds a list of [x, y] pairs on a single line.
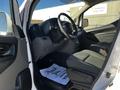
{"points": [[3, 23], [102, 14], [5, 18]]}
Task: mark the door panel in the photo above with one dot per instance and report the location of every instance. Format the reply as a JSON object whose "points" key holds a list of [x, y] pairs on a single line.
{"points": [[105, 33], [13, 50], [16, 65], [8, 50]]}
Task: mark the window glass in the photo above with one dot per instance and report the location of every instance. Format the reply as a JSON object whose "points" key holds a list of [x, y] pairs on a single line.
{"points": [[47, 4], [5, 18], [3, 24], [102, 14], [20, 2]]}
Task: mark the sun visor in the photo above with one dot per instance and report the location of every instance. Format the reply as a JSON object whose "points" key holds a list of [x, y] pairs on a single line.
{"points": [[92, 2]]}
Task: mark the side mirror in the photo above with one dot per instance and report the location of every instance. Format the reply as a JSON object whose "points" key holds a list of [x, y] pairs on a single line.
{"points": [[85, 22]]}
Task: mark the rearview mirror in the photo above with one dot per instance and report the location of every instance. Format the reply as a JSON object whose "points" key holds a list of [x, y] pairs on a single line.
{"points": [[85, 22]]}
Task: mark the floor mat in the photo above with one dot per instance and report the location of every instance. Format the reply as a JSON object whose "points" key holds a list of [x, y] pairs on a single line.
{"points": [[56, 73]]}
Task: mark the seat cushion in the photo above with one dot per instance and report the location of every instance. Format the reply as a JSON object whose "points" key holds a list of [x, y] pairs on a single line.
{"points": [[90, 57]]}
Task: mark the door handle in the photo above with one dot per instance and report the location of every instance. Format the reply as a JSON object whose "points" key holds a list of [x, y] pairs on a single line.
{"points": [[7, 51], [1, 48]]}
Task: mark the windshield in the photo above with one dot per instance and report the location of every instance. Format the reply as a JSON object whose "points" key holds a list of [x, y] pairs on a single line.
{"points": [[52, 8], [48, 4], [52, 3]]}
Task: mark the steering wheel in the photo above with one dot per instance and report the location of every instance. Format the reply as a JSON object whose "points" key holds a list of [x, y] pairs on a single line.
{"points": [[73, 27]]}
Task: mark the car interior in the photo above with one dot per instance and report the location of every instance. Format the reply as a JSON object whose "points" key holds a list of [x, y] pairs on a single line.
{"points": [[82, 53]]}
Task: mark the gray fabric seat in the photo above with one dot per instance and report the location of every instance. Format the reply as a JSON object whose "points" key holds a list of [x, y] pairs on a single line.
{"points": [[86, 61], [90, 57]]}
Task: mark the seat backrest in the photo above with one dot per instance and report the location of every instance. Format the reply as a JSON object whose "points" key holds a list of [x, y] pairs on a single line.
{"points": [[40, 43], [35, 31]]}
